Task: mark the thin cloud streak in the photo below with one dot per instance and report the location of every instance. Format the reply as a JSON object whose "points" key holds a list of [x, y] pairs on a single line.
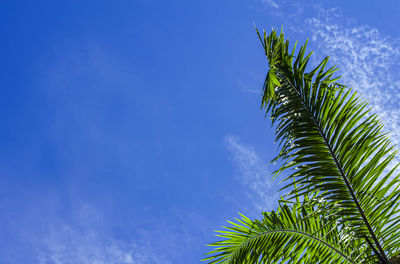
{"points": [[284, 8], [253, 174], [87, 242], [271, 3], [368, 62]]}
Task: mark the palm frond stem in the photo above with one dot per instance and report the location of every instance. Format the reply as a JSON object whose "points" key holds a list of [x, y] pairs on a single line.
{"points": [[341, 171], [296, 232], [381, 260]]}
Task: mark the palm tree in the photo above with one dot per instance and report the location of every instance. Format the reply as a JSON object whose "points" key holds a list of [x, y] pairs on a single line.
{"points": [[343, 204]]}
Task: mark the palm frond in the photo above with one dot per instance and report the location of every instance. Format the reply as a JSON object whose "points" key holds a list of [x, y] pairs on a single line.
{"points": [[300, 232], [332, 144]]}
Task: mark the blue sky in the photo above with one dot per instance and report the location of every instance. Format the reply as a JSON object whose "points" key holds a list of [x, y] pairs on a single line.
{"points": [[130, 130]]}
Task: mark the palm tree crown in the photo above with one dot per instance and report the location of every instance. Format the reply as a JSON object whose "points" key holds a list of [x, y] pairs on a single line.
{"points": [[343, 206]]}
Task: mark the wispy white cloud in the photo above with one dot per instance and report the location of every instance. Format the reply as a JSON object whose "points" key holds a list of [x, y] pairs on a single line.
{"points": [[284, 8], [254, 174], [368, 60], [85, 242], [271, 3]]}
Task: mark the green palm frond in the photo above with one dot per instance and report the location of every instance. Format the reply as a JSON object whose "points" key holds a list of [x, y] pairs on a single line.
{"points": [[332, 144], [302, 232]]}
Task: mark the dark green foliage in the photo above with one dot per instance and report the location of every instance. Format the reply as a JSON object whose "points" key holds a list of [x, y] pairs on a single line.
{"points": [[332, 146], [300, 233]]}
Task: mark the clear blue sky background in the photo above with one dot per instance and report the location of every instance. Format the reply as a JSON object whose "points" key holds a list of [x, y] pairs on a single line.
{"points": [[129, 130]]}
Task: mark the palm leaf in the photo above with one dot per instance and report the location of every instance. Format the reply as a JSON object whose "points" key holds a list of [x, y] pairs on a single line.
{"points": [[302, 232], [331, 143]]}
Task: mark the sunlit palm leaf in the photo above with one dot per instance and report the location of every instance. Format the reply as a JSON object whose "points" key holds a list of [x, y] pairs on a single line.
{"points": [[304, 232], [333, 144]]}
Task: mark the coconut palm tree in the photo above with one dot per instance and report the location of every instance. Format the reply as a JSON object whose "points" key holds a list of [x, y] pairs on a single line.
{"points": [[343, 203]]}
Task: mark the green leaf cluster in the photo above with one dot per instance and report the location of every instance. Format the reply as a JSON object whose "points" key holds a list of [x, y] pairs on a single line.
{"points": [[301, 232], [335, 152]]}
